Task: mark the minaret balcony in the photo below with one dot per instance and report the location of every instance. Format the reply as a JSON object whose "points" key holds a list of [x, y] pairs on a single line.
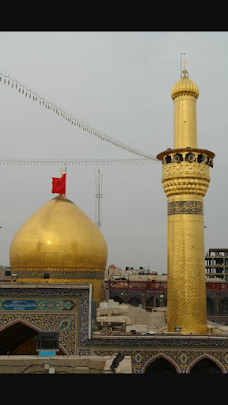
{"points": [[186, 171]]}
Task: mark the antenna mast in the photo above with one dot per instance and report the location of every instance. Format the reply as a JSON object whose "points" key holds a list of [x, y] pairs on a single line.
{"points": [[182, 53], [98, 182]]}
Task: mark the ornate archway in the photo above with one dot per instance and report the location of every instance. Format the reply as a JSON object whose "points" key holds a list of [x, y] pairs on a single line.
{"points": [[118, 299], [206, 364], [225, 306], [160, 364], [210, 307], [19, 338], [134, 301], [150, 304]]}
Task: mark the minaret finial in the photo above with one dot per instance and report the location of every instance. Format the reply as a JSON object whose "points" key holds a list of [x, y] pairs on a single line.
{"points": [[185, 63], [184, 72]]}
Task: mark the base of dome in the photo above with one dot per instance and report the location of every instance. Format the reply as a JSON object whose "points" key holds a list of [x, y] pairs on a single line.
{"points": [[63, 273], [95, 277]]}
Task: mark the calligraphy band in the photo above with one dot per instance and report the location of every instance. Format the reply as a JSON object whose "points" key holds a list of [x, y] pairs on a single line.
{"points": [[185, 207]]}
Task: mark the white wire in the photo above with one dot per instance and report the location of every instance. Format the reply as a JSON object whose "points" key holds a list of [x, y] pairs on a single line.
{"points": [[67, 116]]}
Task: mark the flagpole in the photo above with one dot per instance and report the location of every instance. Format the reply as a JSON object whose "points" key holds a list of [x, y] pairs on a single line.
{"points": [[66, 177], [61, 173], [64, 169]]}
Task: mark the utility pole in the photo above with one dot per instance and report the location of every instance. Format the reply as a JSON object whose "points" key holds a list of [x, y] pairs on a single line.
{"points": [[98, 183]]}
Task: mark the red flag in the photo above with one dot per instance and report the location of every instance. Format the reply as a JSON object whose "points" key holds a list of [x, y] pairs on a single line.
{"points": [[59, 184]]}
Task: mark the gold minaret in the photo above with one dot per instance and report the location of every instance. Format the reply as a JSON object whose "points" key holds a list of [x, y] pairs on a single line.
{"points": [[185, 180]]}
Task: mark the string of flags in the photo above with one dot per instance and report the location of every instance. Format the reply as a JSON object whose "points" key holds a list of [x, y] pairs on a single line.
{"points": [[6, 78], [74, 162]]}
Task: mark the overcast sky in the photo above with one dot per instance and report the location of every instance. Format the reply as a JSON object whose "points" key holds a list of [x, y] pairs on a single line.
{"points": [[119, 83]]}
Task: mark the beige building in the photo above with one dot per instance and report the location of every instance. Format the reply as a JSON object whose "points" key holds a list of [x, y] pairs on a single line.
{"points": [[216, 263]]}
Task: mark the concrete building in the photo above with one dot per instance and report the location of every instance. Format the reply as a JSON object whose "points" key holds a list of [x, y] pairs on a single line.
{"points": [[216, 263], [62, 365]]}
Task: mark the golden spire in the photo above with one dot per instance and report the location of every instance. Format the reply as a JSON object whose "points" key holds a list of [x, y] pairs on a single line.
{"points": [[185, 180], [184, 94], [184, 71], [185, 86]]}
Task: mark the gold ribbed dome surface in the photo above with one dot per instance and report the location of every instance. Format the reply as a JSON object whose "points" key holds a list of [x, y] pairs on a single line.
{"points": [[58, 235], [185, 86]]}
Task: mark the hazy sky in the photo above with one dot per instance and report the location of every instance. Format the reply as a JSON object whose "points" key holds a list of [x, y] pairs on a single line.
{"points": [[119, 83]]}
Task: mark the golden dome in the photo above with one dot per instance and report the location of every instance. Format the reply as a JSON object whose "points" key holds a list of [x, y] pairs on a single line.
{"points": [[58, 236], [185, 86]]}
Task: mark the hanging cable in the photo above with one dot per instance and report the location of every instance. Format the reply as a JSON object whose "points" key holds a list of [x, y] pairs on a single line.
{"points": [[73, 161], [33, 95]]}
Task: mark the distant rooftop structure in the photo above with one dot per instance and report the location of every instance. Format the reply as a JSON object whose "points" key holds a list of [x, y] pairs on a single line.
{"points": [[216, 263], [114, 271]]}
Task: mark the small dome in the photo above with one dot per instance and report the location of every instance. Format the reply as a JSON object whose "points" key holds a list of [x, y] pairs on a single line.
{"points": [[58, 235], [185, 86]]}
